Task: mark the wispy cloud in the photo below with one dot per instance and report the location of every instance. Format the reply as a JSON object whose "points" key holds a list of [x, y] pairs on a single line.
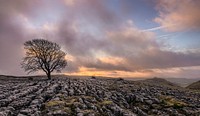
{"points": [[155, 28], [183, 13]]}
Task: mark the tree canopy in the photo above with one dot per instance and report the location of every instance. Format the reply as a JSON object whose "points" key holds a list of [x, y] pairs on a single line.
{"points": [[43, 55]]}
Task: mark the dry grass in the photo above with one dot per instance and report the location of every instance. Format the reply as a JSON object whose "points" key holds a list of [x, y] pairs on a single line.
{"points": [[169, 101]]}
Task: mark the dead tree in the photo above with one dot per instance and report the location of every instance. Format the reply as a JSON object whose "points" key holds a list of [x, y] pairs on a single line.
{"points": [[43, 55]]}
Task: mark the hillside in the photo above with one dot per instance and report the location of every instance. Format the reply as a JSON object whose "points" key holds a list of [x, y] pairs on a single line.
{"points": [[183, 82], [159, 81], [194, 86]]}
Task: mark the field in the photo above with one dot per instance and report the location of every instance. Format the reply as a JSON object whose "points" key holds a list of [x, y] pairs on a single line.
{"points": [[94, 97]]}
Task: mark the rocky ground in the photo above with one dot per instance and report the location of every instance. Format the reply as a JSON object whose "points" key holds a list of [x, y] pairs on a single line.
{"points": [[94, 97]]}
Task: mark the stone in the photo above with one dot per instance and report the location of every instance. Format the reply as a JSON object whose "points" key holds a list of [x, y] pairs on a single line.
{"points": [[80, 114], [141, 113], [21, 115], [71, 92], [26, 111], [149, 102]]}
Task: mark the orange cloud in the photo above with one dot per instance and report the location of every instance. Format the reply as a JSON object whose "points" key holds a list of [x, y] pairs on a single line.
{"points": [[112, 60], [69, 2], [178, 15], [84, 71]]}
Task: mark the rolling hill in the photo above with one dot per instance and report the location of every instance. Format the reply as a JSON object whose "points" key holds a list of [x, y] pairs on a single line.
{"points": [[194, 86], [159, 81]]}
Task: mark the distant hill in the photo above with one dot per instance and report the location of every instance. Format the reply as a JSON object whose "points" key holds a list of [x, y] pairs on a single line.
{"points": [[183, 82], [159, 81], [194, 86]]}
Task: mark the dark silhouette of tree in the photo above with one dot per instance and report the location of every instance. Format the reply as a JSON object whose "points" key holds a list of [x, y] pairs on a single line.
{"points": [[43, 55]]}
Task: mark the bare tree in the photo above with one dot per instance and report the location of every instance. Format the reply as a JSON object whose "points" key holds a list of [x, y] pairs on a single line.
{"points": [[43, 55]]}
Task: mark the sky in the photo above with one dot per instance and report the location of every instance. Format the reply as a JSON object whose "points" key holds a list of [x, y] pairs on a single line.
{"points": [[115, 38]]}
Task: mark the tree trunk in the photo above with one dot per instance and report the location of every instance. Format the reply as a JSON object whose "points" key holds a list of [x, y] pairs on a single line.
{"points": [[49, 75]]}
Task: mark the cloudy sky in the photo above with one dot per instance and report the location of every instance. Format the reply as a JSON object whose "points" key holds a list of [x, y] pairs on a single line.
{"points": [[119, 38]]}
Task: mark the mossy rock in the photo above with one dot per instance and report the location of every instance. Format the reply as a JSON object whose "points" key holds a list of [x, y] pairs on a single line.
{"points": [[70, 102], [54, 103], [169, 101], [105, 102]]}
